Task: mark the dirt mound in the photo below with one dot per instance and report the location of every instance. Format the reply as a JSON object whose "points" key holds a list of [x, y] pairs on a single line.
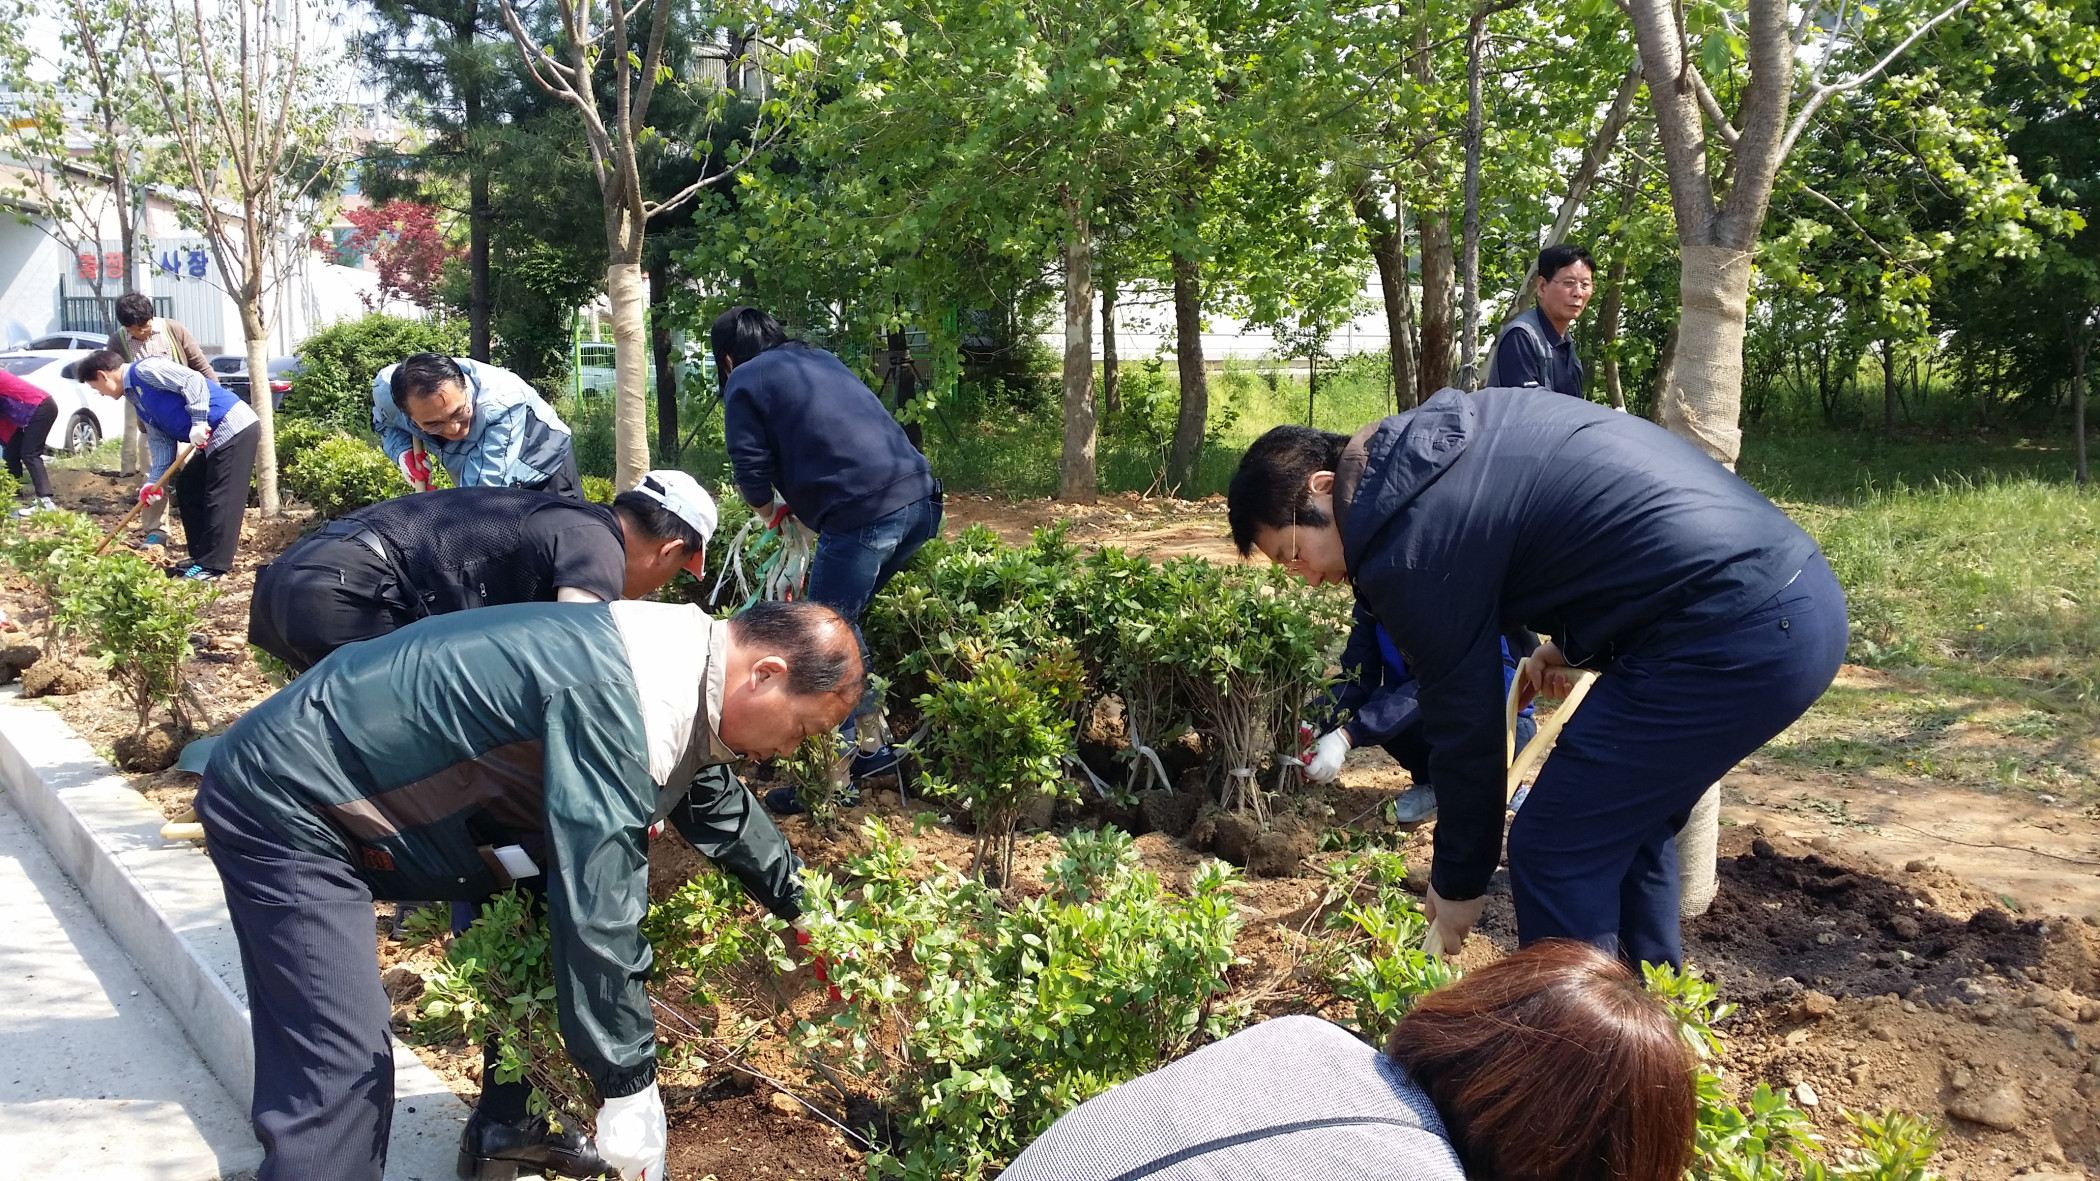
{"points": [[16, 657], [1274, 852], [154, 749], [60, 678], [719, 1132]]}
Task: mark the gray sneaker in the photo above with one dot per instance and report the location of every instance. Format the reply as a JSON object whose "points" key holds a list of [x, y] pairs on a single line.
{"points": [[1415, 805]]}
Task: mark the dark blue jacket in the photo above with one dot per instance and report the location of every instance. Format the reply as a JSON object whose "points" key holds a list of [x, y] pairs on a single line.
{"points": [[797, 420], [1378, 690], [1530, 353], [1480, 513]]}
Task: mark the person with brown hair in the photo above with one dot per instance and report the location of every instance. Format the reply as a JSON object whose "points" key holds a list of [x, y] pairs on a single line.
{"points": [[1551, 1065]]}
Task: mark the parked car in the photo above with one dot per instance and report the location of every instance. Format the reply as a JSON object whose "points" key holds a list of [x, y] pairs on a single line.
{"points": [[85, 418], [68, 340], [232, 371]]}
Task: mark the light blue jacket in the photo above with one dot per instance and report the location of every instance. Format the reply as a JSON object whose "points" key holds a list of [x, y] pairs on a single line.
{"points": [[517, 441]]}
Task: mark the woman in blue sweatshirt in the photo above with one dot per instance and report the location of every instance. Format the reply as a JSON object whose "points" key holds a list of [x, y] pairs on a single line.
{"points": [[178, 406]]}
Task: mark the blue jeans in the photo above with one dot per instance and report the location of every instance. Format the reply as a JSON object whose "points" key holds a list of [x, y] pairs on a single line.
{"points": [[1592, 855], [851, 565]]}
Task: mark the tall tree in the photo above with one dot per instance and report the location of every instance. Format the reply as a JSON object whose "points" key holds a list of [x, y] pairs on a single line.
{"points": [[1718, 224], [629, 45], [248, 93], [437, 57]]}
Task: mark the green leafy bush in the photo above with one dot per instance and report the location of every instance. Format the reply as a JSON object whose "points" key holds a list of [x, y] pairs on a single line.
{"points": [[297, 436], [340, 473], [1373, 957], [707, 928], [984, 1024], [139, 623], [599, 490], [51, 549], [496, 981], [340, 361], [1000, 733]]}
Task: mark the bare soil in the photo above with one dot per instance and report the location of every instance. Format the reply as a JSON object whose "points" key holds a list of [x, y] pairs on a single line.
{"points": [[1893, 941]]}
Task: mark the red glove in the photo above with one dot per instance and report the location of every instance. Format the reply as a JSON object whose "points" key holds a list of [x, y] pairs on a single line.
{"points": [[818, 964], [781, 512], [151, 495], [416, 466]]}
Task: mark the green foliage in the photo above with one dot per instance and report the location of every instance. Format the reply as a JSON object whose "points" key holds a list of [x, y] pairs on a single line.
{"points": [[599, 490], [985, 1024], [1373, 957], [340, 473], [1766, 1138], [51, 549], [999, 740], [810, 768], [335, 389], [296, 437], [706, 929], [139, 624], [496, 981]]}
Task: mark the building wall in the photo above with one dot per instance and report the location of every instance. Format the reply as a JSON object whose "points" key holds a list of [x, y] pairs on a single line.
{"points": [[30, 263]]}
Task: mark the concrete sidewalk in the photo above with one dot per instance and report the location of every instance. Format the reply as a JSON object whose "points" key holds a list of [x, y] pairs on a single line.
{"points": [[96, 1078]]}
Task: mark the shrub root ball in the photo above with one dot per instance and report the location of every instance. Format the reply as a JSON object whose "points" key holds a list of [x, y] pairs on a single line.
{"points": [[153, 749]]}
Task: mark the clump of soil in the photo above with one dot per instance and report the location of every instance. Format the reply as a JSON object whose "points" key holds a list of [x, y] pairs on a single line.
{"points": [[1170, 812], [1275, 851], [14, 658], [60, 678], [152, 749]]}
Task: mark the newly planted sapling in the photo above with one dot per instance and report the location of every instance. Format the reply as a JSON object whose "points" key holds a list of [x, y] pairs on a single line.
{"points": [[139, 623], [998, 740], [51, 550], [1372, 956]]}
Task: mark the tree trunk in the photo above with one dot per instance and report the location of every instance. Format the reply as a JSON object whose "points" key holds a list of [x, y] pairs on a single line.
{"points": [[1665, 373], [2081, 339], [625, 290], [1703, 398], [479, 212], [1437, 267], [1389, 251], [1076, 477], [131, 453], [666, 366], [1469, 309], [1888, 384], [1111, 380], [1608, 330], [1194, 417], [907, 382], [258, 342]]}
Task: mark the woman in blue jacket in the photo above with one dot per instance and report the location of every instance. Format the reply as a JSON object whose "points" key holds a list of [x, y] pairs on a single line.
{"points": [[1713, 618], [178, 406]]}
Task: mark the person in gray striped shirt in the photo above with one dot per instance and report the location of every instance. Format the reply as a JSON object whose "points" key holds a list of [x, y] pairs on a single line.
{"points": [[1553, 1063]]}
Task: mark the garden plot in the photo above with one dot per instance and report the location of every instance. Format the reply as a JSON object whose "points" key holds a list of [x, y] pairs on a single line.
{"points": [[1969, 1012]]}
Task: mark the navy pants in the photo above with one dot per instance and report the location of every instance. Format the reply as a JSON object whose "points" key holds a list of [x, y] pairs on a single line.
{"points": [[851, 565], [324, 1053], [1591, 856]]}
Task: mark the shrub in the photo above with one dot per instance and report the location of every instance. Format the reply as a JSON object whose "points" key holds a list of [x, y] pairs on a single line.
{"points": [[496, 981], [985, 1024], [340, 361], [296, 437], [707, 928], [999, 736], [139, 622], [1373, 957], [50, 549], [599, 490], [339, 474]]}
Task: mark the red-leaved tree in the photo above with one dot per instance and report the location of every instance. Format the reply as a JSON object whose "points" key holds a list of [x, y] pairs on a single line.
{"points": [[403, 239]]}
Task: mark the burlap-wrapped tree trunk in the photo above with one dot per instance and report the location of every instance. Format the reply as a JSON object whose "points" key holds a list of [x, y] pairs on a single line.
{"points": [[1704, 396], [1698, 847]]}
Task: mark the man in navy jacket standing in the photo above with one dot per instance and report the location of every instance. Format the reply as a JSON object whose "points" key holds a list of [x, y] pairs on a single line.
{"points": [[808, 438], [1713, 618]]}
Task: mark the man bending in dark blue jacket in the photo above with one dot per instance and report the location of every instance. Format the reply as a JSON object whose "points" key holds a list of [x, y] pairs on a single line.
{"points": [[1377, 698], [807, 438], [1714, 619]]}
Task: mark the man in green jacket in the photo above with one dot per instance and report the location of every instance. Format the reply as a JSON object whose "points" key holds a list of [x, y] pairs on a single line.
{"points": [[467, 753]]}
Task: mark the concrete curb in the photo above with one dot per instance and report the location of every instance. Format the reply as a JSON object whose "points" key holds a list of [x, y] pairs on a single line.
{"points": [[162, 903]]}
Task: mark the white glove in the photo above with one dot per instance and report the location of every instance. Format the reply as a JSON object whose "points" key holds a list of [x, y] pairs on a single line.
{"points": [[198, 434], [1327, 757], [1453, 919], [633, 1135]]}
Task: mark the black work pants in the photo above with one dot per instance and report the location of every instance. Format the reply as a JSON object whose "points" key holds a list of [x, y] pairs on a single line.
{"points": [[324, 1052], [211, 493], [26, 449], [327, 591]]}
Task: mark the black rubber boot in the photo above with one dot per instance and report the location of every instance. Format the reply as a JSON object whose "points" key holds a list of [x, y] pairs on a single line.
{"points": [[490, 1150]]}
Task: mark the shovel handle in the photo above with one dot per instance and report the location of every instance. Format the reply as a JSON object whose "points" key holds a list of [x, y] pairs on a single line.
{"points": [[181, 458], [1522, 762]]}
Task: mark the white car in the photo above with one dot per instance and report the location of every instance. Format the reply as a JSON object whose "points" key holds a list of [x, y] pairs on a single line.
{"points": [[85, 418]]}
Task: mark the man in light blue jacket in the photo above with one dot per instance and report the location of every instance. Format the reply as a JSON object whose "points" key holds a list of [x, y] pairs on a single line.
{"points": [[486, 425]]}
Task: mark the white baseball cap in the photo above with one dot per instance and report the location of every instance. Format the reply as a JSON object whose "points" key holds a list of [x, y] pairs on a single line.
{"points": [[683, 495]]}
